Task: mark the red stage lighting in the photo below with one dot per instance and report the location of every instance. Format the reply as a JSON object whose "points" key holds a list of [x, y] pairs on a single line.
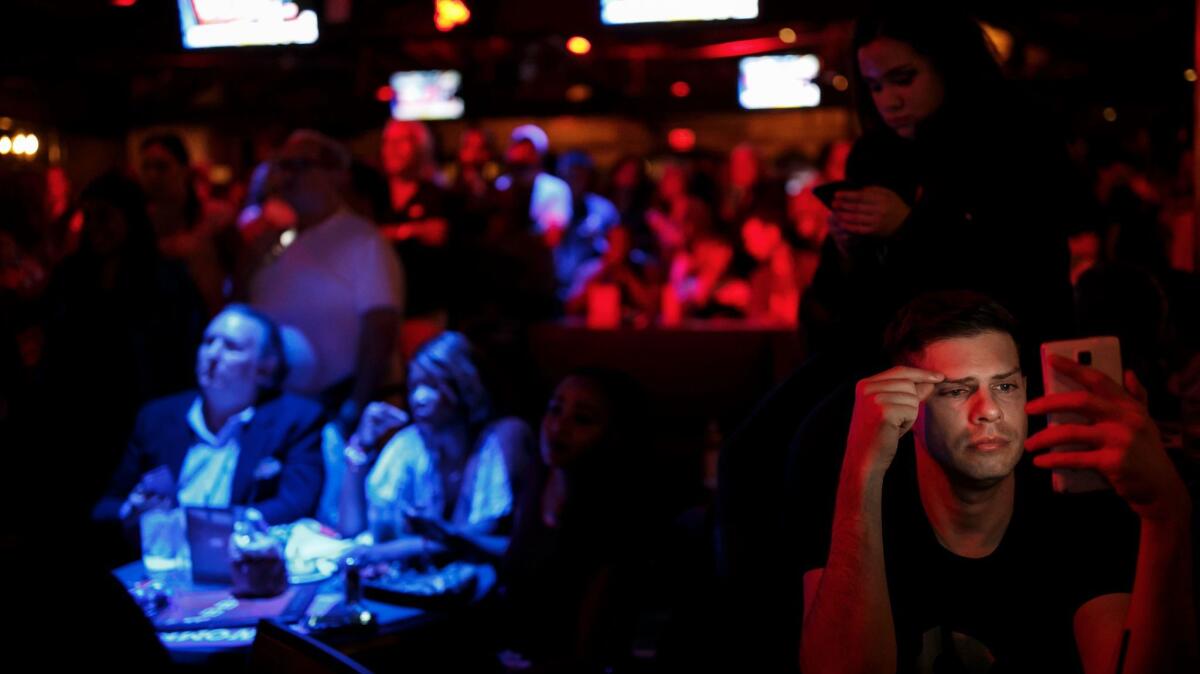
{"points": [[681, 140], [681, 89], [384, 94]]}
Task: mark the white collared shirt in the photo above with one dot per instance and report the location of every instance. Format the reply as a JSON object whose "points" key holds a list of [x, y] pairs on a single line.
{"points": [[206, 479]]}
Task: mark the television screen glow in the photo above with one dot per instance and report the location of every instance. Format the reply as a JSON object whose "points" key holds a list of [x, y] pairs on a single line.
{"points": [[616, 12], [781, 81], [427, 94], [245, 23]]}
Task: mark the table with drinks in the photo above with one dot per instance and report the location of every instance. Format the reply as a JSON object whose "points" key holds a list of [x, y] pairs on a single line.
{"points": [[210, 619]]}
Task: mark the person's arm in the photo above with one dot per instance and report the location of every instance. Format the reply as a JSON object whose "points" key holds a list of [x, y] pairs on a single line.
{"points": [[1124, 446], [302, 472], [848, 623], [129, 472], [477, 540], [430, 231], [377, 338], [352, 497]]}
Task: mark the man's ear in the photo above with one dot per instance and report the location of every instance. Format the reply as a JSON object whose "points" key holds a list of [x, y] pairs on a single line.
{"points": [[267, 367]]}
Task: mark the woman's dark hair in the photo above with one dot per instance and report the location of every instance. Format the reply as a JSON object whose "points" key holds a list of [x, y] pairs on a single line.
{"points": [[170, 142], [174, 146], [450, 357], [954, 43], [627, 405], [946, 314]]}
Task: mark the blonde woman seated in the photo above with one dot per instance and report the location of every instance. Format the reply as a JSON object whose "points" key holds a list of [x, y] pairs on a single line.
{"points": [[444, 482]]}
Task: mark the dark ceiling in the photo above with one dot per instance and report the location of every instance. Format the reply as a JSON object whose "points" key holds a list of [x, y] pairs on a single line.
{"points": [[93, 66]]}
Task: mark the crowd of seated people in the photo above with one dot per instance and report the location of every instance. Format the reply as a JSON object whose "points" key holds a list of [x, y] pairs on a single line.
{"points": [[340, 350]]}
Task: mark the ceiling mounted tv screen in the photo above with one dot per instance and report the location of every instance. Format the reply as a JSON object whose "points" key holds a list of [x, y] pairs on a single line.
{"points": [[619, 12], [427, 94], [246, 23], [779, 81]]}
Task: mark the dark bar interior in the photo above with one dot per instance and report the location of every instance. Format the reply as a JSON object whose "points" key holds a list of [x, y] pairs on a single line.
{"points": [[626, 336]]}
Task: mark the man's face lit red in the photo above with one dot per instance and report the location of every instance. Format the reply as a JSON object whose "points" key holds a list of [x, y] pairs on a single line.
{"points": [[522, 155], [974, 423]]}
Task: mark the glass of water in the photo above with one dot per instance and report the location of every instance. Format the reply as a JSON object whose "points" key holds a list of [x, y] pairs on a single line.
{"points": [[165, 551]]}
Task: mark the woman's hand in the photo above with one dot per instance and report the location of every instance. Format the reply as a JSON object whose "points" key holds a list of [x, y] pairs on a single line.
{"points": [[379, 420], [870, 211], [430, 527]]}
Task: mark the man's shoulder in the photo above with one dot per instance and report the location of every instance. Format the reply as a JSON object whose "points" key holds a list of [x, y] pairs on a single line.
{"points": [[172, 407], [290, 406]]}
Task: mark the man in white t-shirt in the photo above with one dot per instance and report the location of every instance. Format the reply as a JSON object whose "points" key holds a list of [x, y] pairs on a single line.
{"points": [[335, 280]]}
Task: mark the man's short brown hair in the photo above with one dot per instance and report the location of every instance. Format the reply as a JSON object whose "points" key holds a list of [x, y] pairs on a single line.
{"points": [[946, 314]]}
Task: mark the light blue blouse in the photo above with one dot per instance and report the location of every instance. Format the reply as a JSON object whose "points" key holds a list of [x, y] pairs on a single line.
{"points": [[407, 476]]}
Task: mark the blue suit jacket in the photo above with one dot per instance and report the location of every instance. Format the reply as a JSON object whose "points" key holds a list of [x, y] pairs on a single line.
{"points": [[286, 428]]}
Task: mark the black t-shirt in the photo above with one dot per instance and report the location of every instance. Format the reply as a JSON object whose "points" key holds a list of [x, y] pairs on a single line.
{"points": [[1016, 606]]}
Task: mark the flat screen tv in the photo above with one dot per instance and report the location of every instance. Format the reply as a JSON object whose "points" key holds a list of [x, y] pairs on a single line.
{"points": [[619, 12], [245, 23], [427, 94], [779, 81]]}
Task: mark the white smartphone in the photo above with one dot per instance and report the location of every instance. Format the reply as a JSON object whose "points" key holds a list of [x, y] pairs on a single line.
{"points": [[1101, 353]]}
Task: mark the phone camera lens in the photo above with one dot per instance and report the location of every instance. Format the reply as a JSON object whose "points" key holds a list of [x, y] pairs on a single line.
{"points": [[1085, 357]]}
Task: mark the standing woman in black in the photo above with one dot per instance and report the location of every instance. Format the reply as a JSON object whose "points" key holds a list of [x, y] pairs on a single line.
{"points": [[957, 185]]}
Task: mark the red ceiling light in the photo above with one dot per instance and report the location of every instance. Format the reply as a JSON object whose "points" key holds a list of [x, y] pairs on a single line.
{"points": [[579, 45], [681, 140], [384, 94], [123, 3], [449, 14], [681, 89]]}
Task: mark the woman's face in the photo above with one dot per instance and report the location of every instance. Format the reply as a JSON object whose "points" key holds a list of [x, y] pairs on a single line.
{"points": [[760, 238], [903, 84], [473, 150], [398, 150], [575, 424], [163, 177], [431, 400], [673, 183]]}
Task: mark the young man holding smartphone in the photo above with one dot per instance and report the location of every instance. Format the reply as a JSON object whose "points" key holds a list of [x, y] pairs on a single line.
{"points": [[939, 555]]}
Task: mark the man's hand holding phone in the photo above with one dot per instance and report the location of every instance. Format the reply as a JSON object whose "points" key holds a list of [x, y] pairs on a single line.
{"points": [[1121, 443]]}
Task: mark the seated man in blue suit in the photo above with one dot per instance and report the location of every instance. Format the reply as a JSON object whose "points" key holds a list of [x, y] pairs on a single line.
{"points": [[235, 442]]}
